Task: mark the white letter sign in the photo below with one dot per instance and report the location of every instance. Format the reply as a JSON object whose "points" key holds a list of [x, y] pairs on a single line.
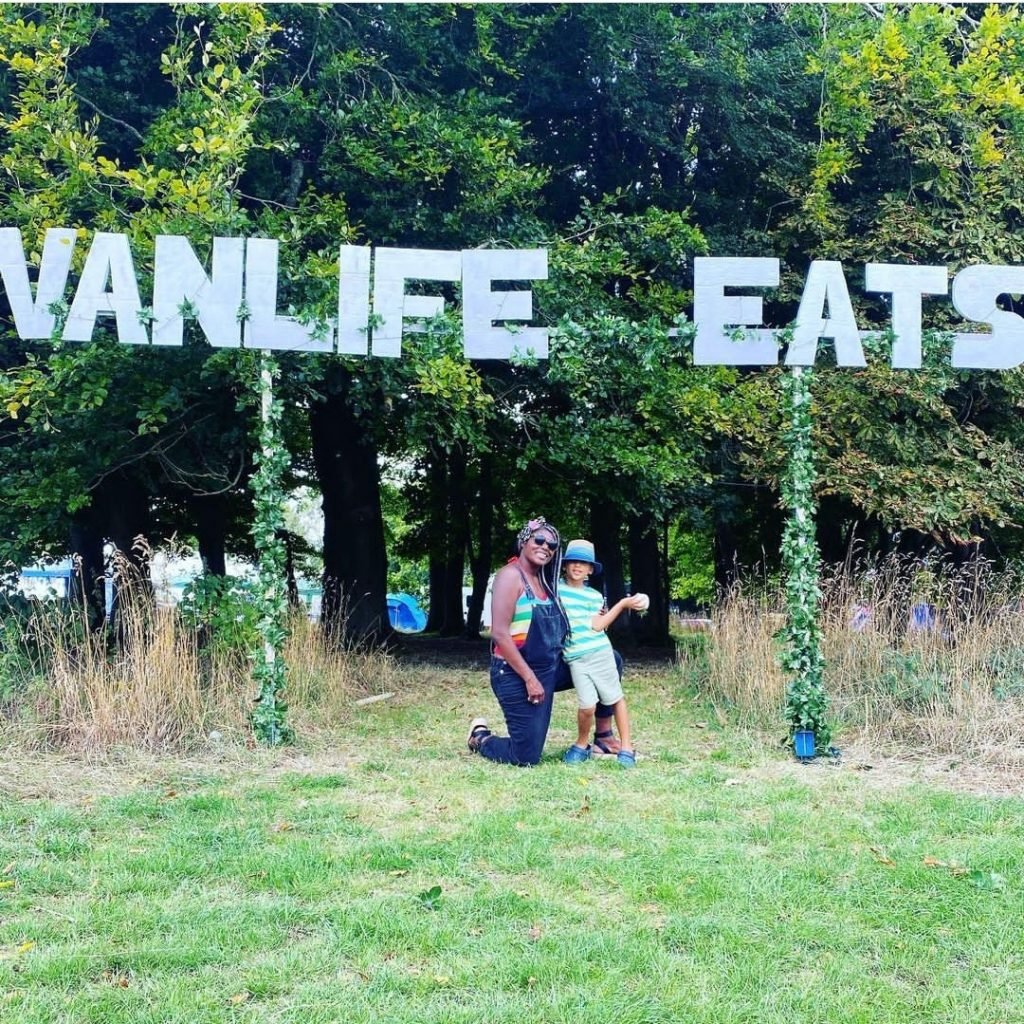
{"points": [[179, 278], [31, 317], [353, 299], [391, 269], [481, 306], [109, 259], [243, 279], [825, 284], [716, 314], [975, 290], [906, 285], [264, 328]]}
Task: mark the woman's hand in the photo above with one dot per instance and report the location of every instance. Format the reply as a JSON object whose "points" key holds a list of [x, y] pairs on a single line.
{"points": [[534, 691]]}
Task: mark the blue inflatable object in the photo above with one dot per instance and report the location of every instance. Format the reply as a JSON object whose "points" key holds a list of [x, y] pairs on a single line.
{"points": [[405, 613]]}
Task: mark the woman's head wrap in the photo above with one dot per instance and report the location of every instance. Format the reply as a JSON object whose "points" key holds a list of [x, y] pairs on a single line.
{"points": [[552, 572], [530, 529]]}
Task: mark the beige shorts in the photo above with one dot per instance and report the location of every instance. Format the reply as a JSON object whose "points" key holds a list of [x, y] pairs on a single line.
{"points": [[596, 678]]}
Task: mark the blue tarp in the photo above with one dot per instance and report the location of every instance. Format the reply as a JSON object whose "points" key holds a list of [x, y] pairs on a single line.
{"points": [[405, 613]]}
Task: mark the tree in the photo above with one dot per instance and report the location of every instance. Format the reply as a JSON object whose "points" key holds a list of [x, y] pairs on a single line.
{"points": [[150, 420], [920, 160]]}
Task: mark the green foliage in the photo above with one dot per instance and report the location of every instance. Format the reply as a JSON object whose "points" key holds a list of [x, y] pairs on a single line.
{"points": [[915, 681], [935, 449], [269, 716], [430, 899], [647, 443], [22, 654], [840, 131], [921, 116], [406, 573], [78, 414], [1007, 670], [222, 609], [691, 569], [806, 700]]}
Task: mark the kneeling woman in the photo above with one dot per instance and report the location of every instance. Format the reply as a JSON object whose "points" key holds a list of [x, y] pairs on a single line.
{"points": [[528, 631]]}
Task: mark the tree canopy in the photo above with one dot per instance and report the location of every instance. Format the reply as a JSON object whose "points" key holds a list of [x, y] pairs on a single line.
{"points": [[625, 139]]}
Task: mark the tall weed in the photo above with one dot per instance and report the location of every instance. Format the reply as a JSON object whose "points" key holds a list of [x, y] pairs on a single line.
{"points": [[926, 655], [162, 678]]}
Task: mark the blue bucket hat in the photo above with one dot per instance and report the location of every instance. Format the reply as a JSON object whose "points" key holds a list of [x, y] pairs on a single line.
{"points": [[581, 551]]}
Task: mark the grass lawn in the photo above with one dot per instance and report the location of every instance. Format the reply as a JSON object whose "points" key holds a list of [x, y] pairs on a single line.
{"points": [[386, 875]]}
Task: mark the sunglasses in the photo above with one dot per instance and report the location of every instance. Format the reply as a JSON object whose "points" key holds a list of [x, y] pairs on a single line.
{"points": [[542, 541]]}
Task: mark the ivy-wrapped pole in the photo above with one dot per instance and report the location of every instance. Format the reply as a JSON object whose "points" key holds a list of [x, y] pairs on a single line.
{"points": [[806, 701], [269, 718]]}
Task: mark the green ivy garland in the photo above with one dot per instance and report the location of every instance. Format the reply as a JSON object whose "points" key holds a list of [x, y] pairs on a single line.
{"points": [[269, 716], [806, 701]]}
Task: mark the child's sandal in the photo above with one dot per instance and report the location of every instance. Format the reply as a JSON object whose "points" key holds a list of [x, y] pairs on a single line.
{"points": [[576, 755]]}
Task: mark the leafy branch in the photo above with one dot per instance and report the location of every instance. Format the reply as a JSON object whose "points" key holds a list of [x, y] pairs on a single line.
{"points": [[806, 700], [269, 716]]}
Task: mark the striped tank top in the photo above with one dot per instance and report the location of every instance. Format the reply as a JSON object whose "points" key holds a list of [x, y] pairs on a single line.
{"points": [[521, 617]]}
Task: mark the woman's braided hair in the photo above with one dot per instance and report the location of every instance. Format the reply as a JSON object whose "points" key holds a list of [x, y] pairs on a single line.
{"points": [[552, 572]]}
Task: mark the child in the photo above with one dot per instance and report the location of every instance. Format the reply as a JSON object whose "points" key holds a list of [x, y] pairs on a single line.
{"points": [[589, 651]]}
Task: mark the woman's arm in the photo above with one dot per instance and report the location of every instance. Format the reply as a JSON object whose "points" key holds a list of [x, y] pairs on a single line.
{"points": [[508, 586], [603, 620]]}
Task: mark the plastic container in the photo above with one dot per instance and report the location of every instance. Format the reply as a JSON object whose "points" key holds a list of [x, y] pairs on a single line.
{"points": [[803, 744]]}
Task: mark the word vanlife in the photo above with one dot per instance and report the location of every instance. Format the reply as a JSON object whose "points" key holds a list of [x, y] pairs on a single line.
{"points": [[236, 303]]}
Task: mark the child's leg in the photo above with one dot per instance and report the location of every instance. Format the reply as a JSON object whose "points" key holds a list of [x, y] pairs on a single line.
{"points": [[586, 702], [622, 724], [584, 723]]}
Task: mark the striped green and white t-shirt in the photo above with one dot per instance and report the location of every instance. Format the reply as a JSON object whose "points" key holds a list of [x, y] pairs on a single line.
{"points": [[581, 605]]}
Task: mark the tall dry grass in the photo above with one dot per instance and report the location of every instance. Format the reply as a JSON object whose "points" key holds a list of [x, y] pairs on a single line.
{"points": [[153, 683], [325, 675], [144, 697], [948, 679]]}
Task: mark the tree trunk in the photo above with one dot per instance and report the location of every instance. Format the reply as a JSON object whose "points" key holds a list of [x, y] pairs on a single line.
{"points": [[86, 589], [606, 535], [124, 504], [456, 538], [292, 584], [726, 550], [210, 514], [435, 592], [448, 535], [726, 509], [647, 577], [838, 526], [436, 563], [355, 557], [480, 562]]}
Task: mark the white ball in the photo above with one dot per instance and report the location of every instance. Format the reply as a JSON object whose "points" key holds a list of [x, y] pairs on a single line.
{"points": [[645, 602]]}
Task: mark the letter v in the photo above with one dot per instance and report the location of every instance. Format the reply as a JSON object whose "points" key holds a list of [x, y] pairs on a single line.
{"points": [[32, 318]]}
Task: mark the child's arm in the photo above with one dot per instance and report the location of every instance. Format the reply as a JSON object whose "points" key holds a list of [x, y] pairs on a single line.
{"points": [[603, 620]]}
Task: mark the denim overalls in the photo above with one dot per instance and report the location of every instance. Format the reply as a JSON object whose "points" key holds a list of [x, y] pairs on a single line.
{"points": [[528, 723]]}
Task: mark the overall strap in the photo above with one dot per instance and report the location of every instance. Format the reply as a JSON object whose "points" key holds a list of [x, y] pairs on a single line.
{"points": [[527, 589], [527, 593]]}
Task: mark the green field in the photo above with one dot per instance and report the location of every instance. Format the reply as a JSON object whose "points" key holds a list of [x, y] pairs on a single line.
{"points": [[384, 874]]}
